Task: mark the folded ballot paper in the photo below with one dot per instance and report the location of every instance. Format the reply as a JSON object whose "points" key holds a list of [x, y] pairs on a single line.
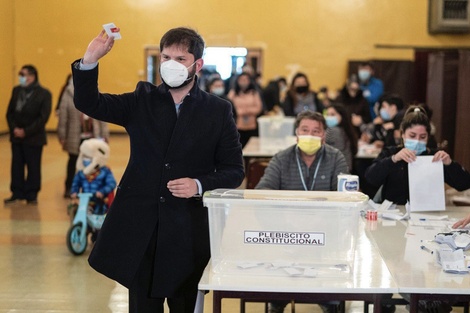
{"points": [[452, 261], [455, 240]]}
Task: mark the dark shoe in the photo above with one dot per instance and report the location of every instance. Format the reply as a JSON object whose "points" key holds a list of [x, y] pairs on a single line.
{"points": [[10, 200], [388, 308], [32, 202], [329, 308], [435, 306]]}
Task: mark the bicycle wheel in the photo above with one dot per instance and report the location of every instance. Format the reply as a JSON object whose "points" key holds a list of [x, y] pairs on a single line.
{"points": [[75, 245]]}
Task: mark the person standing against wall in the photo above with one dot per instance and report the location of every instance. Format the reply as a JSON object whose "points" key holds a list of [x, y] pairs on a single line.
{"points": [[184, 141], [248, 105], [371, 86], [28, 111]]}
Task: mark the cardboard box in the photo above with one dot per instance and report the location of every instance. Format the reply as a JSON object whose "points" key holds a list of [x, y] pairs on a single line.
{"points": [[283, 233]]}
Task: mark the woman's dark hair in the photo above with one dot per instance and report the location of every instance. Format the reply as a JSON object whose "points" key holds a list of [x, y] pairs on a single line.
{"points": [[346, 125], [415, 115], [212, 81], [292, 92], [186, 37], [31, 70], [310, 115], [298, 75], [251, 86]]}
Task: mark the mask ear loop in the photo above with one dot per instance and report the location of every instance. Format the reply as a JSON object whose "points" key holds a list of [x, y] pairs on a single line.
{"points": [[189, 78]]}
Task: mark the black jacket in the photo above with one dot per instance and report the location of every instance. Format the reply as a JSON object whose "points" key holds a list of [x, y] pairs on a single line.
{"points": [[394, 176], [33, 115], [202, 142]]}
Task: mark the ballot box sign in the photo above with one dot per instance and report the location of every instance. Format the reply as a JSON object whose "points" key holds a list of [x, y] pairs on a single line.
{"points": [[284, 238], [283, 233]]}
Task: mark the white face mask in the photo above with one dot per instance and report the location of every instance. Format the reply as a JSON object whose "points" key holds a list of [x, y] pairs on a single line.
{"points": [[175, 74]]}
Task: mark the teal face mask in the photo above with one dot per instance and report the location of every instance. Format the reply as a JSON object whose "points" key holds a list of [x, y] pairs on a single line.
{"points": [[418, 146], [331, 121], [385, 115], [22, 80]]}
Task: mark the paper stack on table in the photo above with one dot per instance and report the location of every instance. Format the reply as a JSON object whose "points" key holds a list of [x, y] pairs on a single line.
{"points": [[452, 261]]}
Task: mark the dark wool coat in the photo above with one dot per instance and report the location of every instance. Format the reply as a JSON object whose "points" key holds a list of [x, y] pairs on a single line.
{"points": [[32, 117], [202, 142]]}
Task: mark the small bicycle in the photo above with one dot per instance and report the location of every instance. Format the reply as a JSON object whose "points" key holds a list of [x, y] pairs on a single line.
{"points": [[83, 223]]}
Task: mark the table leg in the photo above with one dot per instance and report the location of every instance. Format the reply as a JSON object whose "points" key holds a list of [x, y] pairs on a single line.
{"points": [[377, 303], [216, 302], [414, 299]]}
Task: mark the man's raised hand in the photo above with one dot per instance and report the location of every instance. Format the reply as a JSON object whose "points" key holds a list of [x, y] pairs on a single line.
{"points": [[98, 48]]}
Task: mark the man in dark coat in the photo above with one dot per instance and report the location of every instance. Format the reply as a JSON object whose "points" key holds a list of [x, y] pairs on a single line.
{"points": [[155, 239], [27, 114]]}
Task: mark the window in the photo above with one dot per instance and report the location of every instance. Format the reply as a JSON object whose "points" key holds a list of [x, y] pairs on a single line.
{"points": [[224, 60]]}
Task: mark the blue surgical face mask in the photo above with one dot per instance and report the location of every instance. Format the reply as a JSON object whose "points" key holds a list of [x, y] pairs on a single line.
{"points": [[331, 121], [86, 162], [416, 145], [22, 80], [364, 75], [385, 115]]}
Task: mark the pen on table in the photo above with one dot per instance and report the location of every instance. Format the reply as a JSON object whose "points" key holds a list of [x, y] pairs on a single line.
{"points": [[427, 249]]}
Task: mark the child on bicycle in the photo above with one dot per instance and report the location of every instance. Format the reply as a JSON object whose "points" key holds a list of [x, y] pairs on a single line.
{"points": [[93, 176]]}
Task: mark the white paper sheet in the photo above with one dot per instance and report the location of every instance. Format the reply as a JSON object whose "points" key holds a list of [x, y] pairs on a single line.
{"points": [[426, 179]]}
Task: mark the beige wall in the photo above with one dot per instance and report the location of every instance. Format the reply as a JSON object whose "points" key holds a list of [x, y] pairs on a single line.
{"points": [[7, 50], [317, 37]]}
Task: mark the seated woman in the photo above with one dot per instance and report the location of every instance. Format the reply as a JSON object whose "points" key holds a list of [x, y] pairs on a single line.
{"points": [[340, 133], [390, 168]]}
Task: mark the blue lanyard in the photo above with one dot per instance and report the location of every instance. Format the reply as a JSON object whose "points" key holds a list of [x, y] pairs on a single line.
{"points": [[302, 175]]}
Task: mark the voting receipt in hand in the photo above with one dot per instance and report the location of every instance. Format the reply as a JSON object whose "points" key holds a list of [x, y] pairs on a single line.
{"points": [[112, 30]]}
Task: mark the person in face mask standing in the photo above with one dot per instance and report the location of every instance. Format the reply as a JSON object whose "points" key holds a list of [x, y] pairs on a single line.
{"points": [[155, 238], [390, 168], [300, 98], [372, 87], [248, 106], [28, 111]]}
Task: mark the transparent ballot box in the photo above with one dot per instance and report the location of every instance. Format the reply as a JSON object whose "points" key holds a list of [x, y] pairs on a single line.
{"points": [[283, 233], [276, 131]]}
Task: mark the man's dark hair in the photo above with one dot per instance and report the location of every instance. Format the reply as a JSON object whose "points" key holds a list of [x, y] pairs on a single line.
{"points": [[31, 70], [366, 63], [186, 37], [394, 100], [315, 116]]}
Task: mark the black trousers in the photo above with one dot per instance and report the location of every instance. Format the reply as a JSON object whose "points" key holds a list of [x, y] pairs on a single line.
{"points": [[25, 185], [71, 169], [140, 289]]}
